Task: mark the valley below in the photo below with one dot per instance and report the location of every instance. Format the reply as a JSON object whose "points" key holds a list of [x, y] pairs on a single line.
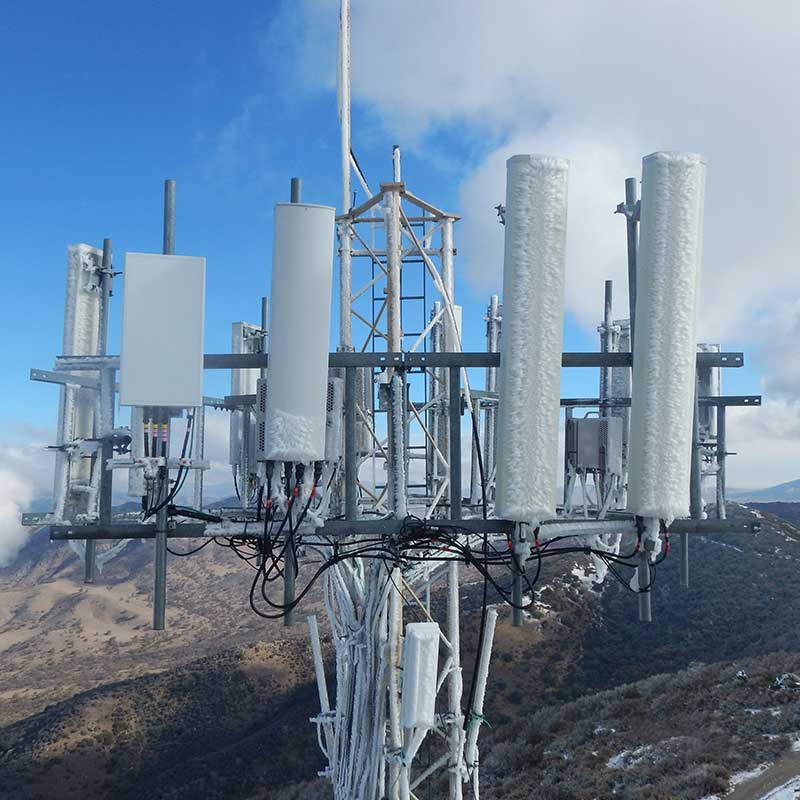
{"points": [[583, 701]]}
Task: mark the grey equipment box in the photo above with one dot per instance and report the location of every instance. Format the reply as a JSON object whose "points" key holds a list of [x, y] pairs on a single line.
{"points": [[594, 444]]}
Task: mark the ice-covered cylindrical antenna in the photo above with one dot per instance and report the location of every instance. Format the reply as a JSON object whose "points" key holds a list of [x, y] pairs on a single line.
{"points": [[533, 316], [300, 311], [665, 344]]}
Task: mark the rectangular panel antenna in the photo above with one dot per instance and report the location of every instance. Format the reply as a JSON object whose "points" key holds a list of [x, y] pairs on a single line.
{"points": [[161, 362]]}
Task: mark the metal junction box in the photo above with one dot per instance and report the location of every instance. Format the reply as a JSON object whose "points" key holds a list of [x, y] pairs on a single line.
{"points": [[595, 444]]}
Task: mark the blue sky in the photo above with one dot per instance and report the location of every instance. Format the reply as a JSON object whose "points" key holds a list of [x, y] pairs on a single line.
{"points": [[104, 101], [110, 101]]}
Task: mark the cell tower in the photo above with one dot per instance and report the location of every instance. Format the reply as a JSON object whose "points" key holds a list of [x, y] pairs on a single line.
{"points": [[348, 464]]}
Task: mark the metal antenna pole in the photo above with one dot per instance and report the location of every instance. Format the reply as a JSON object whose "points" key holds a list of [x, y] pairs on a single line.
{"points": [[396, 163], [104, 424], [169, 217], [605, 346], [396, 467], [455, 684], [643, 573], [296, 195], [492, 346], [631, 224], [345, 258], [567, 417], [350, 445], [449, 337], [721, 454], [290, 564], [162, 517], [106, 284], [695, 490], [474, 472]]}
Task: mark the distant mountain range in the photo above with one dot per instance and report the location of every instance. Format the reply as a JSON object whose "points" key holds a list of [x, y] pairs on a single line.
{"points": [[94, 704], [782, 493]]}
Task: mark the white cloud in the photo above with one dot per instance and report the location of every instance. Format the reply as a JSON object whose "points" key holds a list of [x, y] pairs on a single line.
{"points": [[604, 84], [16, 493], [218, 482], [25, 474], [766, 442]]}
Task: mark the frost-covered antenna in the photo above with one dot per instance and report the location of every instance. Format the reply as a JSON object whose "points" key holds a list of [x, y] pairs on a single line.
{"points": [[352, 459]]}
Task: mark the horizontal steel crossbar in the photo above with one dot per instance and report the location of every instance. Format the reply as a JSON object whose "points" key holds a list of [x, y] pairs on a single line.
{"points": [[349, 359], [392, 527]]}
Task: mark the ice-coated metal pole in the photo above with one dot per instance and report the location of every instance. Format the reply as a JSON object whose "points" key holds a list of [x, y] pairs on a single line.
{"points": [[631, 224], [107, 280], [476, 713], [455, 442], [608, 321], [492, 346], [455, 685], [345, 258], [396, 163], [350, 445], [107, 407]]}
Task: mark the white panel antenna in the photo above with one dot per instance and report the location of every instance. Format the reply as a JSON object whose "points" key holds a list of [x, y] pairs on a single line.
{"points": [[665, 346], [420, 672], [300, 309], [161, 362], [533, 318]]}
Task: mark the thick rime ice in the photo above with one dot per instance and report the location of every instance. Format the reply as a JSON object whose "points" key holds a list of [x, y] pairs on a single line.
{"points": [[77, 406], [533, 312], [665, 347], [290, 437], [243, 381], [420, 672], [300, 309]]}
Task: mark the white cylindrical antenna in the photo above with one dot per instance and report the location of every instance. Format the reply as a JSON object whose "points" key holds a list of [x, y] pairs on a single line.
{"points": [[533, 314], [300, 311], [664, 348]]}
